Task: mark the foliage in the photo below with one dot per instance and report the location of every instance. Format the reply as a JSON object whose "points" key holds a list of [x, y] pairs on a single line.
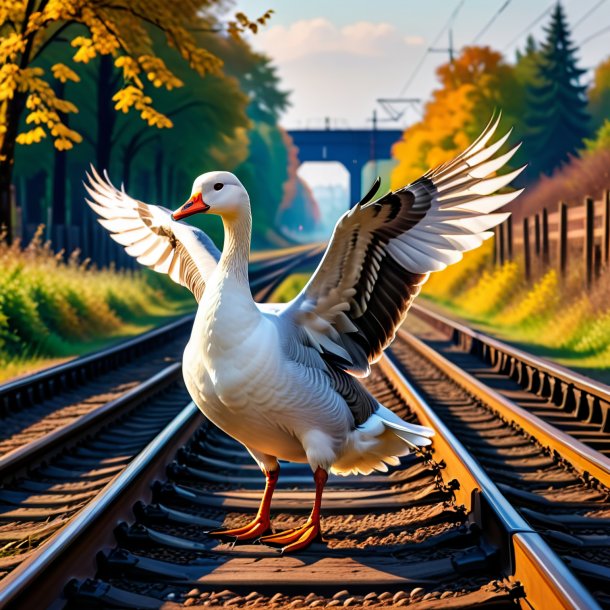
{"points": [[118, 29], [557, 316], [556, 117], [289, 288], [492, 290], [213, 128], [471, 87], [121, 35], [539, 302], [599, 94], [586, 176], [601, 141], [47, 303]]}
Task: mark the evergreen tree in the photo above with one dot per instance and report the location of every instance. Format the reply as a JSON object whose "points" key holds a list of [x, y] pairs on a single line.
{"points": [[556, 117]]}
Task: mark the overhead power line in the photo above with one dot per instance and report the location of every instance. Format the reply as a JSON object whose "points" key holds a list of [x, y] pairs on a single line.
{"points": [[420, 63], [491, 21], [529, 27], [589, 12], [595, 35]]}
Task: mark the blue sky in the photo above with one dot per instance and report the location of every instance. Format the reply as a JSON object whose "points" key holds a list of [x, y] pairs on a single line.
{"points": [[338, 56]]}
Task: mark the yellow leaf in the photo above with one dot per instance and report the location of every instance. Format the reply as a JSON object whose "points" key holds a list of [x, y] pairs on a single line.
{"points": [[32, 136], [62, 73]]}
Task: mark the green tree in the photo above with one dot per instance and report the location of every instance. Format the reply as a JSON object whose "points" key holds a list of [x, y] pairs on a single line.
{"points": [[556, 114], [118, 32], [599, 94]]}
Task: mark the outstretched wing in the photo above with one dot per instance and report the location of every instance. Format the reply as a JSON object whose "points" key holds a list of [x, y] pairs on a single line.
{"points": [[149, 234], [382, 251]]}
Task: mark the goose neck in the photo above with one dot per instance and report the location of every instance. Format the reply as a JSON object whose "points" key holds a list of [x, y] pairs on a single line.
{"points": [[236, 250]]}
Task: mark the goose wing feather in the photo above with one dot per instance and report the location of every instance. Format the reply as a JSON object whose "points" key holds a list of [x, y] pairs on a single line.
{"points": [[149, 234], [382, 252]]}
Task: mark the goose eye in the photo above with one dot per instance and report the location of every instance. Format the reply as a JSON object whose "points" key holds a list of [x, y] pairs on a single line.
{"points": [[218, 186]]}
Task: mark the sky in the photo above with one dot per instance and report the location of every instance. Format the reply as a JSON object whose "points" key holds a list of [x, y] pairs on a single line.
{"points": [[337, 57]]}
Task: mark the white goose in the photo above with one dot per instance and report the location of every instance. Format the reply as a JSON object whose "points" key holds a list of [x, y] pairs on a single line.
{"points": [[282, 380]]}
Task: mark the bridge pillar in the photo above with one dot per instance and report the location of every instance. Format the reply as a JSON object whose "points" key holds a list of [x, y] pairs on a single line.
{"points": [[355, 182]]}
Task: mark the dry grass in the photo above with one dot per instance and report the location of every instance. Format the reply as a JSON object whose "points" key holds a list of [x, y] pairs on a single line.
{"points": [[556, 317], [586, 176]]}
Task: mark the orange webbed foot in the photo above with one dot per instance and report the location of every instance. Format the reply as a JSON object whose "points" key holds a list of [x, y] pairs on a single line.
{"points": [[295, 539], [253, 530]]}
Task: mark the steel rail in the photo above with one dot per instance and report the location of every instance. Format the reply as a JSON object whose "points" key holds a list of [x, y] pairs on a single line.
{"points": [[565, 388], [68, 554], [583, 458], [25, 457], [545, 578], [21, 393]]}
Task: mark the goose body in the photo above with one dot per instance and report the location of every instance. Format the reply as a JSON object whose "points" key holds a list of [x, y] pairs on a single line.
{"points": [[284, 379]]}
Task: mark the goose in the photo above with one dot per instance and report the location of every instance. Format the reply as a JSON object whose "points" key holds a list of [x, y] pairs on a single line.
{"points": [[284, 380]]}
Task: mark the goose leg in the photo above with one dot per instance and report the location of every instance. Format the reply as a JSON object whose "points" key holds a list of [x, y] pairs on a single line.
{"points": [[261, 522], [301, 537]]}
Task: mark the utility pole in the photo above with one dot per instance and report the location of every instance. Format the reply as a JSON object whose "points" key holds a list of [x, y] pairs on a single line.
{"points": [[374, 141], [450, 49]]}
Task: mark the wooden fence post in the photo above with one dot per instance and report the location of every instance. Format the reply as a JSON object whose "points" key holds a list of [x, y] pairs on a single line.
{"points": [[606, 228], [526, 248], [509, 238], [589, 239], [545, 237], [562, 254], [597, 261], [537, 234]]}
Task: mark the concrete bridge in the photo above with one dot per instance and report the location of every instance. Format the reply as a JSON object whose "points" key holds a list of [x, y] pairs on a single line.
{"points": [[353, 148]]}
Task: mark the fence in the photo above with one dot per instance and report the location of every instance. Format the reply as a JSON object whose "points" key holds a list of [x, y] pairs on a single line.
{"points": [[567, 237]]}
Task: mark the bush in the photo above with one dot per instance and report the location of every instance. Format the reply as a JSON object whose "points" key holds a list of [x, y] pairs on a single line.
{"points": [[48, 303]]}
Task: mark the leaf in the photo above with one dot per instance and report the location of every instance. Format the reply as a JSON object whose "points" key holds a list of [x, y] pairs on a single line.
{"points": [[62, 73]]}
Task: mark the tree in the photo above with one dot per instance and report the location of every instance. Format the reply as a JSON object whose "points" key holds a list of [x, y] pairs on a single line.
{"points": [[118, 31], [599, 94], [212, 130], [471, 88], [557, 118]]}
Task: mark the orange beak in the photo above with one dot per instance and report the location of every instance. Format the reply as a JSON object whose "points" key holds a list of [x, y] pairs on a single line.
{"points": [[194, 205]]}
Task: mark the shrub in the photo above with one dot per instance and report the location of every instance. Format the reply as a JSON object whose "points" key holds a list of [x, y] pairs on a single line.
{"points": [[47, 303]]}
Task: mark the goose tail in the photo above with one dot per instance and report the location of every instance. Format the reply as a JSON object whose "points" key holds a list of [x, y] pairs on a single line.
{"points": [[379, 443]]}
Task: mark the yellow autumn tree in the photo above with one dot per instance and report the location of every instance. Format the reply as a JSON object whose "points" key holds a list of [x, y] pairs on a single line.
{"points": [[471, 87], [119, 29]]}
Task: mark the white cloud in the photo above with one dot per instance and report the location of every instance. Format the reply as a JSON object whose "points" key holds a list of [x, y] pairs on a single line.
{"points": [[315, 36]]}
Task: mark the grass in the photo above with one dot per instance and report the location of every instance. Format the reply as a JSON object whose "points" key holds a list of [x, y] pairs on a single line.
{"points": [[551, 317], [52, 309], [289, 288]]}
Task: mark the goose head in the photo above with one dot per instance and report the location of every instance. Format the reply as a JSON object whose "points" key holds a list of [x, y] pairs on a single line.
{"points": [[215, 193]]}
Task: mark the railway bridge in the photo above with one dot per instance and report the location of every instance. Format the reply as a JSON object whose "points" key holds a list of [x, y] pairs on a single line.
{"points": [[353, 148]]}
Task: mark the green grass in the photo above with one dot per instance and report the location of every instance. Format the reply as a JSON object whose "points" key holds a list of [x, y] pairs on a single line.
{"points": [[52, 309], [532, 339]]}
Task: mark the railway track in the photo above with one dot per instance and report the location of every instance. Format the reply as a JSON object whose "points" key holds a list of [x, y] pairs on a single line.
{"points": [[69, 430], [505, 510], [433, 533], [519, 417], [573, 403]]}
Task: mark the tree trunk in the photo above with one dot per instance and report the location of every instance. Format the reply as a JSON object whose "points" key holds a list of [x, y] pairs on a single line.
{"points": [[10, 113], [60, 173], [105, 112]]}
